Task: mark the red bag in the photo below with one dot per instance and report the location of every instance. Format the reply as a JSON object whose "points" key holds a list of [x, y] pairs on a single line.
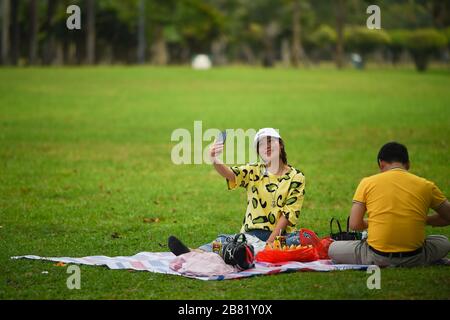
{"points": [[322, 250], [302, 254], [308, 237], [313, 248]]}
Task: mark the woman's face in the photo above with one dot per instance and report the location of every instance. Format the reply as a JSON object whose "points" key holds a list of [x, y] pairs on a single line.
{"points": [[269, 149]]}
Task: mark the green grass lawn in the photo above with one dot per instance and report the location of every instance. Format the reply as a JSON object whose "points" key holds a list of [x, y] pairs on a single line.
{"points": [[85, 155]]}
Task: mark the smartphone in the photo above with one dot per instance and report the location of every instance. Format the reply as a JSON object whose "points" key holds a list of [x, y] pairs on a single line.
{"points": [[222, 137]]}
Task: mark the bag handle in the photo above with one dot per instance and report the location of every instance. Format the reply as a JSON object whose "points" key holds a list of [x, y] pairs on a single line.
{"points": [[331, 225], [236, 238], [348, 223]]}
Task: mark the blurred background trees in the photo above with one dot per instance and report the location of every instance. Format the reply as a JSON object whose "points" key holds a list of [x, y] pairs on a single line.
{"points": [[296, 33]]}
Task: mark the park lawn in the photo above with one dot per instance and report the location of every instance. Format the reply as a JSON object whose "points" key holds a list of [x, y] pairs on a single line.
{"points": [[85, 160]]}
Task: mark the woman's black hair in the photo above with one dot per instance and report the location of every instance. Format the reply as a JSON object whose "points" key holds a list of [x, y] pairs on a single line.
{"points": [[283, 154]]}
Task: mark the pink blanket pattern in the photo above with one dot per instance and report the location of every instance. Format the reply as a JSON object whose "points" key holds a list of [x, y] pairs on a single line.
{"points": [[159, 262]]}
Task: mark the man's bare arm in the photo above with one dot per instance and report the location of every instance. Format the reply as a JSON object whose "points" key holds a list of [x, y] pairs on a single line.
{"points": [[442, 218], [357, 221]]}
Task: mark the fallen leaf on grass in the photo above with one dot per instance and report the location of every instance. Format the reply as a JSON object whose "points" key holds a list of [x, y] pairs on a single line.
{"points": [[60, 264], [151, 220]]}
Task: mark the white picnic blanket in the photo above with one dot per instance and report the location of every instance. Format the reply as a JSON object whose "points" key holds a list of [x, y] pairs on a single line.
{"points": [[159, 262]]}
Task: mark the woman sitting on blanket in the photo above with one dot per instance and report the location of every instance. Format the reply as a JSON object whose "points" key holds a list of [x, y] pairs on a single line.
{"points": [[274, 189]]}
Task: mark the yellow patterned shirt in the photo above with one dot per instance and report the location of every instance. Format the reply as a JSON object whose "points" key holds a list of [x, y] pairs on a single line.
{"points": [[269, 196]]}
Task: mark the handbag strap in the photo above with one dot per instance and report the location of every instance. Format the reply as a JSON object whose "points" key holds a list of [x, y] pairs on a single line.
{"points": [[236, 238], [331, 225], [348, 223]]}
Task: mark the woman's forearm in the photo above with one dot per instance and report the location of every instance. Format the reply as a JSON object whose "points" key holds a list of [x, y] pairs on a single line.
{"points": [[224, 171], [279, 228]]}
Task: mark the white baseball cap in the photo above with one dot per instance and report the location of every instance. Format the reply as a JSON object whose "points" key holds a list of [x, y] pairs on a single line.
{"points": [[265, 132]]}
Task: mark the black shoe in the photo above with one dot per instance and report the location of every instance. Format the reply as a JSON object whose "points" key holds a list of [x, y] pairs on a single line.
{"points": [[176, 246]]}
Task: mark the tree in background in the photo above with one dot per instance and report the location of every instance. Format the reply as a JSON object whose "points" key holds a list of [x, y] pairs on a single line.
{"points": [[142, 34], [172, 31], [162, 14], [34, 28], [446, 32], [297, 49], [423, 43], [321, 42], [5, 14], [440, 12], [398, 43], [223, 47], [118, 32], [199, 24], [340, 24], [264, 20], [90, 31], [365, 41], [15, 32], [49, 30]]}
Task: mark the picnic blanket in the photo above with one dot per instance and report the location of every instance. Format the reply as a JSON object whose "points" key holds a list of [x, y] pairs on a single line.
{"points": [[159, 262]]}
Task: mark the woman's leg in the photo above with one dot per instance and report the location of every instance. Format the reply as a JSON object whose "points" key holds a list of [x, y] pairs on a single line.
{"points": [[293, 238], [262, 235], [222, 238]]}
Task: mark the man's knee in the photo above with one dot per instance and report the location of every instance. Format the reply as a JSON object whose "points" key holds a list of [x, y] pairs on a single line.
{"points": [[333, 250], [342, 251], [439, 240], [437, 247]]}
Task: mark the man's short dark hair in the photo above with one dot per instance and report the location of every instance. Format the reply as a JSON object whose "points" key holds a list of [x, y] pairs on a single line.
{"points": [[393, 152]]}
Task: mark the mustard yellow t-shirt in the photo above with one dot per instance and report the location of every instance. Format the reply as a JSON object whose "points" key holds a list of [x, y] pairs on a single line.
{"points": [[269, 196], [397, 205]]}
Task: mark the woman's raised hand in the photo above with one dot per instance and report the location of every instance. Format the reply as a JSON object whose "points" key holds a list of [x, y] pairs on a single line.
{"points": [[215, 150]]}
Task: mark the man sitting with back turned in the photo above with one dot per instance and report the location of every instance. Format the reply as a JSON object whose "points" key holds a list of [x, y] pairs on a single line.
{"points": [[397, 204]]}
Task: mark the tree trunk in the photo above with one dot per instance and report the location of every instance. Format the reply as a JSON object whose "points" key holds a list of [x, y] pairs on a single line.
{"points": [[159, 48], [297, 51], [6, 9], [90, 32], [248, 53], [439, 12], [340, 23], [286, 53], [421, 60], [50, 43], [33, 49], [15, 32], [142, 43], [269, 54], [218, 48], [59, 54], [271, 31]]}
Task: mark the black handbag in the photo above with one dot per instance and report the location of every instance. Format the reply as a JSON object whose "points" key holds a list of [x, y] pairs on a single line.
{"points": [[343, 235], [238, 253]]}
